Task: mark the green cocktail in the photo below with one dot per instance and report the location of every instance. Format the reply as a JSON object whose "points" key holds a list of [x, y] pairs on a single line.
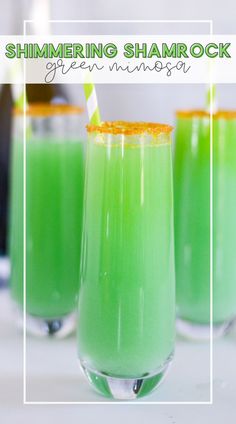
{"points": [[127, 296], [54, 193], [192, 224], [224, 212]]}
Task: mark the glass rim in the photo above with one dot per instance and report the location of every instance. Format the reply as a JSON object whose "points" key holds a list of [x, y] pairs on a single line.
{"points": [[129, 128], [48, 109], [201, 113]]}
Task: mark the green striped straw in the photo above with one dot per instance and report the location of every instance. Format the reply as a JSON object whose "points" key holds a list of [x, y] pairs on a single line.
{"points": [[92, 104], [19, 100], [18, 94], [19, 103], [211, 102], [18, 89], [210, 98]]}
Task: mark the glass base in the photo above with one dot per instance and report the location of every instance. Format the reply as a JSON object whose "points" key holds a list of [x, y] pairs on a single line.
{"points": [[126, 388], [201, 332], [42, 327]]}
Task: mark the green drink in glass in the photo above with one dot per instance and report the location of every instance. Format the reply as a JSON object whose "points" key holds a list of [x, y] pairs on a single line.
{"points": [[126, 327], [192, 225], [224, 212], [54, 201]]}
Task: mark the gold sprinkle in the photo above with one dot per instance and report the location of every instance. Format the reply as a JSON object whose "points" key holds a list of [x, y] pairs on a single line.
{"points": [[197, 113], [129, 128], [49, 109]]}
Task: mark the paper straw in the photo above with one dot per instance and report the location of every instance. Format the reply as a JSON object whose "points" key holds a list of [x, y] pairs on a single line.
{"points": [[212, 98], [92, 104], [19, 99], [16, 73]]}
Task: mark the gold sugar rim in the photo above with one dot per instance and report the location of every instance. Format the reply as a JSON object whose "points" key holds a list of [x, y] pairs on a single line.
{"points": [[227, 114], [129, 128], [198, 113], [49, 109]]}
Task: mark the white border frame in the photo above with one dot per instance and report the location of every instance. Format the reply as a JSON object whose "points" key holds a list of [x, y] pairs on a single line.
{"points": [[210, 402]]}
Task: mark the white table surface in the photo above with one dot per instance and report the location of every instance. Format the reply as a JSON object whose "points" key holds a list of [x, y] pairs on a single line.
{"points": [[53, 374]]}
